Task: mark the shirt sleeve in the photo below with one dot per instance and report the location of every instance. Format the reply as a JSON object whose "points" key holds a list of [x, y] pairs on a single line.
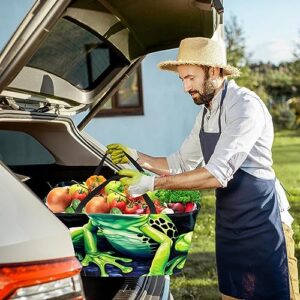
{"points": [[245, 121], [189, 156]]}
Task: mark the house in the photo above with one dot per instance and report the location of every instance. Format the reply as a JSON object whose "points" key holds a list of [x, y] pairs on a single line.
{"points": [[168, 117]]}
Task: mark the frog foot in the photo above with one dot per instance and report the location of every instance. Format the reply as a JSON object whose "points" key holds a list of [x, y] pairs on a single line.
{"points": [[102, 259], [79, 256], [177, 262]]}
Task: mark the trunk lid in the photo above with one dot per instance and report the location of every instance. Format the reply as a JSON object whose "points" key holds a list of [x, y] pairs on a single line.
{"points": [[70, 56]]}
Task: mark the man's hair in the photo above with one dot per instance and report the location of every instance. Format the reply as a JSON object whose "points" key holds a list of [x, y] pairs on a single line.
{"points": [[206, 72]]}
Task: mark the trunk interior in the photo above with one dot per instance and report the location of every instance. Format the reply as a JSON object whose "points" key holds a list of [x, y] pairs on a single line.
{"points": [[68, 168], [42, 178]]}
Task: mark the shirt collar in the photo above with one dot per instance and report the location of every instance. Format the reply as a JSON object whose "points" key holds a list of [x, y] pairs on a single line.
{"points": [[215, 102]]}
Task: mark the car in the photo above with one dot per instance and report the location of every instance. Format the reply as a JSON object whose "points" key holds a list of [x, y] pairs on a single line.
{"points": [[65, 58]]}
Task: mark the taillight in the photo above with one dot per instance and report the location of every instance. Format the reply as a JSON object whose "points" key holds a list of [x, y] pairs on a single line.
{"points": [[52, 279]]}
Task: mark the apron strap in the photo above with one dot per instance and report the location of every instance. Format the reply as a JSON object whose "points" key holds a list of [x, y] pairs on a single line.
{"points": [[203, 115], [224, 91]]}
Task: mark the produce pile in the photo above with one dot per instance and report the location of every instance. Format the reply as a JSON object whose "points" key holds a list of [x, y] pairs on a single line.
{"points": [[115, 199]]}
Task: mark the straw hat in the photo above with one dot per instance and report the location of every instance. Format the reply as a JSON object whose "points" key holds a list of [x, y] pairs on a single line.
{"points": [[201, 52]]}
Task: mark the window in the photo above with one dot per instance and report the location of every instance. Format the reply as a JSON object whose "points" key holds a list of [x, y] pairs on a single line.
{"points": [[128, 100], [18, 148], [76, 55]]}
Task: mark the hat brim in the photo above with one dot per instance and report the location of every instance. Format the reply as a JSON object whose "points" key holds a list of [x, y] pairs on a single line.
{"points": [[172, 66]]}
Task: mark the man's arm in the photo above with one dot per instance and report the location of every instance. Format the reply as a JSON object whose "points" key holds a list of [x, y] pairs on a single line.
{"points": [[157, 165], [197, 179], [187, 158]]}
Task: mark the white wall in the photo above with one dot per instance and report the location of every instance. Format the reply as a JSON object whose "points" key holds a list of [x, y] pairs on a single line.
{"points": [[169, 113]]}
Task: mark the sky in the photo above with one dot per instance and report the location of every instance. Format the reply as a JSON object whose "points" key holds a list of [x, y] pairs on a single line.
{"points": [[271, 27]]}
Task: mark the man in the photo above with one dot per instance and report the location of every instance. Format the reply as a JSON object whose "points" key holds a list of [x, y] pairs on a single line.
{"points": [[233, 136]]}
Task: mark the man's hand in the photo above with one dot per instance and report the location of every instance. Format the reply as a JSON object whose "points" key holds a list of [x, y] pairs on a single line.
{"points": [[116, 152], [138, 183]]}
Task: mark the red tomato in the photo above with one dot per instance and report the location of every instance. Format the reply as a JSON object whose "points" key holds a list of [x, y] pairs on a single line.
{"points": [[112, 203], [157, 208], [130, 209], [121, 205], [97, 205], [78, 195], [58, 199], [156, 202]]}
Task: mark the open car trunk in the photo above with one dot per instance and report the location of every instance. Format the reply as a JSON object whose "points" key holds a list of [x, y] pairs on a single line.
{"points": [[69, 56], [60, 166]]}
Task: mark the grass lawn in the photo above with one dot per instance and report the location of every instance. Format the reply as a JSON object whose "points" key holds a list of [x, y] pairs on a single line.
{"points": [[199, 278]]}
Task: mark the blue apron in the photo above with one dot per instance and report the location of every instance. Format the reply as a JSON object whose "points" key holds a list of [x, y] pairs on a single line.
{"points": [[250, 247]]}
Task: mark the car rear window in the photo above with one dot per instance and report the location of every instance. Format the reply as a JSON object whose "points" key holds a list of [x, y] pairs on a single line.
{"points": [[18, 148], [77, 55]]}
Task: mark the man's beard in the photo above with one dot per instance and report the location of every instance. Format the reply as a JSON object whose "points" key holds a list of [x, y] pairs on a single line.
{"points": [[206, 96]]}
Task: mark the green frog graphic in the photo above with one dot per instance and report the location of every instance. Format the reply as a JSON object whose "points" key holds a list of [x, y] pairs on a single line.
{"points": [[151, 236]]}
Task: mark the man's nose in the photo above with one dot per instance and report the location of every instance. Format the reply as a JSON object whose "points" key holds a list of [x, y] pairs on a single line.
{"points": [[186, 86]]}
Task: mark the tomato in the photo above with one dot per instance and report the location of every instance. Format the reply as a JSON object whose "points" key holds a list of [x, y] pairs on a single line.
{"points": [[81, 188], [121, 205], [78, 195], [116, 196], [112, 203], [156, 202], [117, 200], [130, 209], [94, 180], [58, 199], [158, 206], [98, 205], [158, 209]]}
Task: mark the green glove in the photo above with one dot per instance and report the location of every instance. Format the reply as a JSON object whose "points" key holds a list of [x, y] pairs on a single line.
{"points": [[116, 152], [138, 183]]}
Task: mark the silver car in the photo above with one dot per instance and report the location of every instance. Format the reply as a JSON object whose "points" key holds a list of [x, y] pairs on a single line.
{"points": [[65, 58]]}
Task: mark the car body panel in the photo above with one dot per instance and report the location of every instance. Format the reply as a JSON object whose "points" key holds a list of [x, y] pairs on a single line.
{"points": [[28, 231]]}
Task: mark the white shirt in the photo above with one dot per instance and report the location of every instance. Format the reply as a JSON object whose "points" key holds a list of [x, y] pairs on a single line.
{"points": [[245, 142]]}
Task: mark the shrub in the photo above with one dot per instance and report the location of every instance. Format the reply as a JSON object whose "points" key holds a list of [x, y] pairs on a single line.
{"points": [[283, 117]]}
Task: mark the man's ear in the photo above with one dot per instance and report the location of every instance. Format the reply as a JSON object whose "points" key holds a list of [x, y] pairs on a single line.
{"points": [[214, 72]]}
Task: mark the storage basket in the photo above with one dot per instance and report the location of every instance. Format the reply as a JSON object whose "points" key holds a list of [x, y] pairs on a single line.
{"points": [[118, 245]]}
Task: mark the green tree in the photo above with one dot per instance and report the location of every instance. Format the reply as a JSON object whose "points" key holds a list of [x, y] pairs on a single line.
{"points": [[235, 43], [294, 67], [296, 51], [274, 84], [237, 56]]}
